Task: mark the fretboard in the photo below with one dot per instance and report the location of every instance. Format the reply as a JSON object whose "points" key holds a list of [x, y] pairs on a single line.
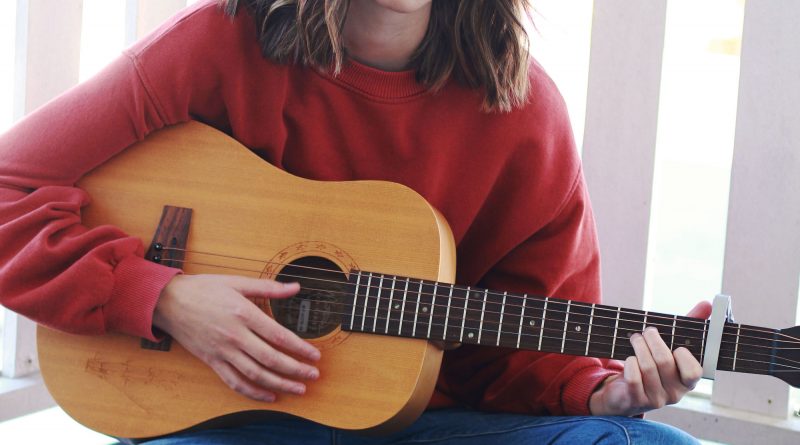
{"points": [[408, 307]]}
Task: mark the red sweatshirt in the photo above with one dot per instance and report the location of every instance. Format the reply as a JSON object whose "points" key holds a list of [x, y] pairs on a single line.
{"points": [[510, 185]]}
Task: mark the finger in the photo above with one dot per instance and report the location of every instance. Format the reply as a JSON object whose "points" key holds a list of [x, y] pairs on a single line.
{"points": [[688, 367], [633, 378], [665, 363], [277, 361], [265, 378], [701, 310], [257, 287], [651, 380], [236, 382], [283, 339]]}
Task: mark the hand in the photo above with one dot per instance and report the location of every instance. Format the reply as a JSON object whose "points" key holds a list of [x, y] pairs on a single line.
{"points": [[210, 316], [653, 378]]}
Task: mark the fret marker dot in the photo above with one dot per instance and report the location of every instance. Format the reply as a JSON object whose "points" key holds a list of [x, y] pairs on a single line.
{"points": [[578, 328], [470, 335], [687, 342], [531, 322], [397, 306], [424, 308]]}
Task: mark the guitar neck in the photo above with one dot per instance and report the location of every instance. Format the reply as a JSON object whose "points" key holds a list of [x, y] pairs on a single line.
{"points": [[407, 307]]}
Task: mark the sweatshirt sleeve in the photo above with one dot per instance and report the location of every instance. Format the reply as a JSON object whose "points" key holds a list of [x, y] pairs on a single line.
{"points": [[561, 260], [53, 269]]}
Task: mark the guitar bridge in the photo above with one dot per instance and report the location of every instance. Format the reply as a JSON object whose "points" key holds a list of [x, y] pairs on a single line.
{"points": [[168, 248]]}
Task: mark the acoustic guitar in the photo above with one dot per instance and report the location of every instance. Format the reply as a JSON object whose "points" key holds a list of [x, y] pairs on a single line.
{"points": [[374, 261]]}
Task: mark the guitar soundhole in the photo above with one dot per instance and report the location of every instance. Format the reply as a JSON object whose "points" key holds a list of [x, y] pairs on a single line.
{"points": [[317, 309]]}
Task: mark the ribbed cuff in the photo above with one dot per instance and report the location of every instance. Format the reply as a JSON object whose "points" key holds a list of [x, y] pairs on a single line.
{"points": [[137, 286], [576, 395]]}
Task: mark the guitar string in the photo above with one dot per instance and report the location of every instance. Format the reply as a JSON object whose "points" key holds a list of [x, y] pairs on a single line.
{"points": [[564, 302], [668, 326], [322, 269], [455, 287], [777, 361], [620, 328], [517, 332], [477, 291]]}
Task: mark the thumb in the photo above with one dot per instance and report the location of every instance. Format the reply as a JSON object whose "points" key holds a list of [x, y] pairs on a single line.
{"points": [[701, 310], [257, 287]]}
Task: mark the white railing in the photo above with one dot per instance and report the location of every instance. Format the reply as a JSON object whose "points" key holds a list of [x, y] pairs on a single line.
{"points": [[762, 255], [762, 263], [47, 62]]}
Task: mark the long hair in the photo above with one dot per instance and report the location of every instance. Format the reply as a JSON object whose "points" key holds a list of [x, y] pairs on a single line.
{"points": [[480, 43]]}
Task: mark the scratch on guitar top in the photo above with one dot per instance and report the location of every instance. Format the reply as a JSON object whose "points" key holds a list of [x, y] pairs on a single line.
{"points": [[126, 376], [128, 373]]}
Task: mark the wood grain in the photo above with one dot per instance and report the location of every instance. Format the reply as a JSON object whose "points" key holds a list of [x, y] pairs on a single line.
{"points": [[244, 207]]}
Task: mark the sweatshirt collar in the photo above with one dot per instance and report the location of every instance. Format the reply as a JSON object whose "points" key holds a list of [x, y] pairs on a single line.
{"points": [[377, 83]]}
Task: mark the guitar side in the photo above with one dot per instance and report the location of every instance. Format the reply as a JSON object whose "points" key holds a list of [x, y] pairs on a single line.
{"points": [[246, 209]]}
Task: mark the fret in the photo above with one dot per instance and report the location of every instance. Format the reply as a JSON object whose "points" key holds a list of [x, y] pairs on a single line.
{"points": [[755, 355], [366, 301], [577, 328], [395, 311], [541, 326], [433, 308], [355, 300], [403, 308], [532, 322], [672, 337], [630, 322], [416, 311], [522, 318], [603, 324], [483, 312], [514, 321], [554, 325], [372, 304], [391, 302], [492, 313], [736, 348], [566, 323], [644, 322], [475, 316], [689, 334], [447, 313], [424, 318], [589, 335], [502, 312], [377, 304], [464, 316], [616, 329], [703, 343]]}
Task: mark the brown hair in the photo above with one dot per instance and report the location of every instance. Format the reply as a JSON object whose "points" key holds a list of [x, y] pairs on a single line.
{"points": [[480, 43]]}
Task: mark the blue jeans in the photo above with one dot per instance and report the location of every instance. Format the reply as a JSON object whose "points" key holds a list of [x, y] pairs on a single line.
{"points": [[451, 427]]}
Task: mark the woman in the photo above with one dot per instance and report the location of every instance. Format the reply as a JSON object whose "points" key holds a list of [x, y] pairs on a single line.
{"points": [[437, 95]]}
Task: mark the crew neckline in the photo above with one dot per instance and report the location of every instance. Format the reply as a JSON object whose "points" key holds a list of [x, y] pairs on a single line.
{"points": [[377, 83]]}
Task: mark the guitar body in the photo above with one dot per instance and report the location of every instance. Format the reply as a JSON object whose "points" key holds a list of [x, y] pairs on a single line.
{"points": [[248, 210]]}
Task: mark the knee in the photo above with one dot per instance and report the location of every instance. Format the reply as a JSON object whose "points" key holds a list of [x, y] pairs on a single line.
{"points": [[596, 431], [633, 431]]}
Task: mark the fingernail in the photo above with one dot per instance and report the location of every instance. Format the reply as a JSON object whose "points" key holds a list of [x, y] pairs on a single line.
{"points": [[269, 398], [315, 355], [313, 374], [299, 389]]}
